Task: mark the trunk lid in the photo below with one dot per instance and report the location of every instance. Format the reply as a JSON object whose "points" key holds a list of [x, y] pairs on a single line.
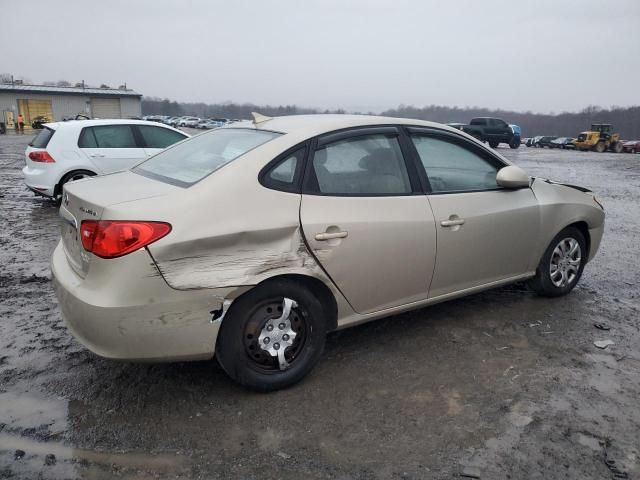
{"points": [[87, 199]]}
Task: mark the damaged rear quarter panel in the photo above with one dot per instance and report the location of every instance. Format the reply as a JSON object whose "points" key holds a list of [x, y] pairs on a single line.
{"points": [[228, 230]]}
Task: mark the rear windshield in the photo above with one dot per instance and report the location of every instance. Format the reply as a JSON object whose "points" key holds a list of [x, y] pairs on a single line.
{"points": [[42, 139], [192, 160]]}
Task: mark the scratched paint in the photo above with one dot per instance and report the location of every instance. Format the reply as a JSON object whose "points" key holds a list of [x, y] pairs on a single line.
{"points": [[243, 259]]}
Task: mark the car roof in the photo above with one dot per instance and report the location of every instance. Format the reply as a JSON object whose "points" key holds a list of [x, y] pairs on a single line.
{"points": [[91, 123], [317, 124]]}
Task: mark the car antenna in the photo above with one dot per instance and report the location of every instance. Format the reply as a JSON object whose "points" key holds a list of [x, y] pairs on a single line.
{"points": [[259, 118]]}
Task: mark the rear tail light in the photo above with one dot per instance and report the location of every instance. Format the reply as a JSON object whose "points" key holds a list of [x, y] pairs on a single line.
{"points": [[41, 156], [111, 239]]}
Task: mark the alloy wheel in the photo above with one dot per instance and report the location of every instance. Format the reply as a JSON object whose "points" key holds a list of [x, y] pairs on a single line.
{"points": [[565, 262]]}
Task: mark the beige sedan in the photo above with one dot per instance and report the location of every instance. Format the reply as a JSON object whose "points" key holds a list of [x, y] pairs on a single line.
{"points": [[251, 242]]}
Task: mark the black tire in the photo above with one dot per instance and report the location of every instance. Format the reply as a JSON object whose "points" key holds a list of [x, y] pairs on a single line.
{"points": [[237, 343], [600, 147], [542, 283], [617, 147], [74, 175], [514, 143], [494, 144]]}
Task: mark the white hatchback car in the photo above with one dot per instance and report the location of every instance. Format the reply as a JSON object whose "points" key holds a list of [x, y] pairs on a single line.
{"points": [[66, 151]]}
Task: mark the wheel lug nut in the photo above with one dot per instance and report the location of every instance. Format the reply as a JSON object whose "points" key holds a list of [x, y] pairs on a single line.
{"points": [[269, 327], [281, 326], [276, 346], [285, 337], [267, 340]]}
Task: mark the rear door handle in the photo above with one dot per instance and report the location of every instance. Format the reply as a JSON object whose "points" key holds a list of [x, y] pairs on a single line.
{"points": [[330, 235], [97, 155], [452, 223]]}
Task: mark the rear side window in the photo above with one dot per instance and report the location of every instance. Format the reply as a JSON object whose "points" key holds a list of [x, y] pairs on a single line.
{"points": [[369, 165], [453, 168], [191, 161], [42, 139], [284, 175], [479, 121], [158, 137], [107, 136]]}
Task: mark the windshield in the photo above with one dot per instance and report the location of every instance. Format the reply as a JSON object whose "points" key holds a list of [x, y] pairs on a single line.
{"points": [[190, 161]]}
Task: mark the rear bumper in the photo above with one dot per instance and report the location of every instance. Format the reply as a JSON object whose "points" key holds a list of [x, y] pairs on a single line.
{"points": [[40, 181], [125, 310]]}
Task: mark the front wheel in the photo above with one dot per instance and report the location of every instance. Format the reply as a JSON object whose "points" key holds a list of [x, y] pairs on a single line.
{"points": [[600, 147], [272, 336], [562, 263], [494, 144], [514, 143]]}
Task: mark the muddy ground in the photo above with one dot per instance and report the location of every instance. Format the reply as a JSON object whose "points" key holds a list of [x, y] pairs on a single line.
{"points": [[502, 384]]}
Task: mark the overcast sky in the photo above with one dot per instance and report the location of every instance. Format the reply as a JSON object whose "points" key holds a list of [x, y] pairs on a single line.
{"points": [[539, 55]]}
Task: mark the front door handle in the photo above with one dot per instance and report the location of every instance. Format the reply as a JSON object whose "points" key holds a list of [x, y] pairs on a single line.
{"points": [[452, 223], [97, 155], [330, 235]]}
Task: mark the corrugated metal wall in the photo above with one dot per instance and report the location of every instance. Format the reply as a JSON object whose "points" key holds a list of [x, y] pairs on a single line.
{"points": [[105, 108], [67, 105], [130, 107]]}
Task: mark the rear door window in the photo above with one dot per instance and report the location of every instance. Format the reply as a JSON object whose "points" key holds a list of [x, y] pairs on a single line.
{"points": [[107, 136], [43, 138], [87, 139], [158, 137], [369, 165]]}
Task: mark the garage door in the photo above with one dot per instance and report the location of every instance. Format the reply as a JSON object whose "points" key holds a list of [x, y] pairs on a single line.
{"points": [[31, 109], [105, 108]]}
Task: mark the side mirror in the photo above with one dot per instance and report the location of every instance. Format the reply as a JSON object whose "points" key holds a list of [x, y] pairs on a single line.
{"points": [[512, 177]]}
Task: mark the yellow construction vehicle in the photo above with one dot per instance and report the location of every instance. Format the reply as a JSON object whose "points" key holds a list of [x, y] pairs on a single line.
{"points": [[599, 139]]}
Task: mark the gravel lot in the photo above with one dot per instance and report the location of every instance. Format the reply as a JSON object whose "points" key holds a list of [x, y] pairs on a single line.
{"points": [[502, 384]]}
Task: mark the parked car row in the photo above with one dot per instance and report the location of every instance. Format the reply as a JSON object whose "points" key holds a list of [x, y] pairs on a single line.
{"points": [[631, 146], [547, 141], [542, 141], [189, 121]]}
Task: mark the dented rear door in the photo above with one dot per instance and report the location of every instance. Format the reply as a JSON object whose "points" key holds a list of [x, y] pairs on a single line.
{"points": [[365, 223]]}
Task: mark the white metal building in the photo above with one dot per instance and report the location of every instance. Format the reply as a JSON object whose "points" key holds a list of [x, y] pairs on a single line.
{"points": [[55, 103]]}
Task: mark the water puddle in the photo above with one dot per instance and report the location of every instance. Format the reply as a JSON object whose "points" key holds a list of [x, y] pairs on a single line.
{"points": [[21, 411], [74, 463]]}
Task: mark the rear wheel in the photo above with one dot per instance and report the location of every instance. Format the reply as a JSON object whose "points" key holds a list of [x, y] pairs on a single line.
{"points": [[71, 177], [494, 144], [600, 147], [562, 263], [272, 336]]}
